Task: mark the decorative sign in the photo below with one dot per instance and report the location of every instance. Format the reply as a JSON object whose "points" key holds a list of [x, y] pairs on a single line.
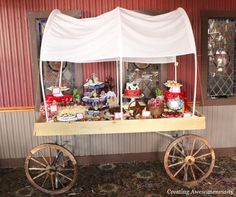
{"points": [[80, 116], [53, 108], [146, 114], [118, 115], [56, 92]]}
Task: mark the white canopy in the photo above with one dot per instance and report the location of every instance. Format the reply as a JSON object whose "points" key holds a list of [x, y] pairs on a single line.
{"points": [[118, 34]]}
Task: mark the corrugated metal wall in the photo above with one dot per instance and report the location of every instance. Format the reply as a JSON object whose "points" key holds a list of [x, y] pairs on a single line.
{"points": [[16, 128], [15, 70], [16, 137]]}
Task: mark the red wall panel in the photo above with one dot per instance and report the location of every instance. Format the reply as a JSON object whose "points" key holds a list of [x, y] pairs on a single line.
{"points": [[16, 82]]}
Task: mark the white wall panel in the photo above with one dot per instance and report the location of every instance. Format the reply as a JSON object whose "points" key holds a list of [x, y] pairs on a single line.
{"points": [[16, 137]]}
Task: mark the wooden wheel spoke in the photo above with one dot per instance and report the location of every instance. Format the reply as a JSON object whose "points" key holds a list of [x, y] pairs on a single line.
{"points": [[57, 157], [38, 162], [53, 171], [64, 161], [204, 155], [45, 180], [61, 182], [202, 162], [197, 156], [182, 147], [43, 157], [67, 169], [64, 176], [39, 169], [52, 182], [199, 169], [176, 157], [179, 151], [50, 155], [193, 174], [185, 178], [194, 141], [179, 170], [41, 174], [175, 164], [198, 150]]}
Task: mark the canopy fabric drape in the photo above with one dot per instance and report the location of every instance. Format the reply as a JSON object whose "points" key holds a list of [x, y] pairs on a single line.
{"points": [[118, 34]]}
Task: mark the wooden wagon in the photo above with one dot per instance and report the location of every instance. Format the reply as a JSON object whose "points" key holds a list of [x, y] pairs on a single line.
{"points": [[188, 159]]}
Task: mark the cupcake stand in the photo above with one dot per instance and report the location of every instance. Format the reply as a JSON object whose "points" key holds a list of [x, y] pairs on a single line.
{"points": [[117, 36]]}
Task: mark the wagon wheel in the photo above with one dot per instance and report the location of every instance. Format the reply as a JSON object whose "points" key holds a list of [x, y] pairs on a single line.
{"points": [[51, 168], [189, 159]]}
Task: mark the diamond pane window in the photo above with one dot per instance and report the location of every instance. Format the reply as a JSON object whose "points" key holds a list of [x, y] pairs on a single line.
{"points": [[218, 58], [221, 57]]}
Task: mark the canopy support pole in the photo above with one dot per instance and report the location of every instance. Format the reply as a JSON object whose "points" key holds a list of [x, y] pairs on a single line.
{"points": [[117, 82], [60, 78], [121, 88], [176, 65], [42, 86], [195, 83]]}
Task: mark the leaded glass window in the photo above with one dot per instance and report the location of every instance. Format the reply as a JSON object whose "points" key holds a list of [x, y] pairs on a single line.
{"points": [[221, 58], [218, 55]]}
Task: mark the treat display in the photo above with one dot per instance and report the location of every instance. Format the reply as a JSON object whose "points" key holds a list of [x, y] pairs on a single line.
{"points": [[67, 118], [156, 107], [132, 90], [175, 98], [137, 109], [93, 83], [172, 114], [93, 96], [69, 113], [173, 86], [99, 105], [173, 83], [43, 113], [175, 104], [61, 99], [63, 88]]}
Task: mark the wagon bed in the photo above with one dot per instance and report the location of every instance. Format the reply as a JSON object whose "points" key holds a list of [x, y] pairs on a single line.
{"points": [[119, 126]]}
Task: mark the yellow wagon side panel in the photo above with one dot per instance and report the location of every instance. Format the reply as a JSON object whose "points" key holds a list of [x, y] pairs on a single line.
{"points": [[118, 126]]}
